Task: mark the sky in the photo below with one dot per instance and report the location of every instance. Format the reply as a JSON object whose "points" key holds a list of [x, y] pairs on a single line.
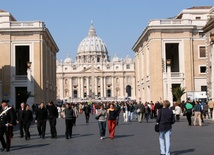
{"points": [[118, 23]]}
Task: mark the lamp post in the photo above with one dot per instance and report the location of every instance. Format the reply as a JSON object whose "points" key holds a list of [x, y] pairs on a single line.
{"points": [[29, 81], [169, 81]]}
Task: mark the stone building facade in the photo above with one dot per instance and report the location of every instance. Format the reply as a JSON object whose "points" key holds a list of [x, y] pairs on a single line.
{"points": [[22, 43], [93, 76], [181, 42], [209, 31]]}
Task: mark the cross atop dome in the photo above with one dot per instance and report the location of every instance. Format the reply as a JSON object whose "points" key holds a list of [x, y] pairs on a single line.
{"points": [[92, 31]]}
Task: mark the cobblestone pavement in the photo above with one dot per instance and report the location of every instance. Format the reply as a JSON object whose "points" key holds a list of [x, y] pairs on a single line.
{"points": [[130, 138]]}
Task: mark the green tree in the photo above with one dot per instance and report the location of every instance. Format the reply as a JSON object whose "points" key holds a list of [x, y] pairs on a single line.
{"points": [[178, 92]]}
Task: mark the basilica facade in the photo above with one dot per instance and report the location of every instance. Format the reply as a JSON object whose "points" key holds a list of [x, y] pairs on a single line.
{"points": [[93, 76]]}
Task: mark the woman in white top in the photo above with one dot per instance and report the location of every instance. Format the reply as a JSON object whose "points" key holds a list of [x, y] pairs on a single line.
{"points": [[177, 112]]}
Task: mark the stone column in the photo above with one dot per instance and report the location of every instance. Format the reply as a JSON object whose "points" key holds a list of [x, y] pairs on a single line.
{"points": [[71, 88], [79, 87], [87, 86], [95, 86], [104, 86], [61, 88], [101, 87], [133, 95], [122, 87], [112, 87]]}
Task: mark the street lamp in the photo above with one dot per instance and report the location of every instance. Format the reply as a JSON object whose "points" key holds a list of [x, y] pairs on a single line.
{"points": [[29, 81], [169, 80], [29, 64], [168, 62]]}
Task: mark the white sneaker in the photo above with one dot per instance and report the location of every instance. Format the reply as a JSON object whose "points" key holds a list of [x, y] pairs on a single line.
{"points": [[101, 137]]}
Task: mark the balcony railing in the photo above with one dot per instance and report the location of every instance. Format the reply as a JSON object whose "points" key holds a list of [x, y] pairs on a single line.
{"points": [[175, 75], [20, 77]]}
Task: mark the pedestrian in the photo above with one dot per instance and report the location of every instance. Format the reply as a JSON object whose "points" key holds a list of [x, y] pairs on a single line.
{"points": [[87, 111], [52, 118], [7, 119], [118, 109], [177, 111], [140, 111], [197, 113], [41, 119], [59, 111], [206, 113], [68, 120], [165, 119], [147, 112], [211, 105], [125, 112], [188, 111], [19, 119], [130, 111], [75, 114], [111, 114], [27, 117], [102, 121]]}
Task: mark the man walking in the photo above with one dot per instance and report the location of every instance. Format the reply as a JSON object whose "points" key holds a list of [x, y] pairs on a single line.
{"points": [[20, 120], [52, 116], [87, 110], [7, 119], [41, 119], [211, 105]]}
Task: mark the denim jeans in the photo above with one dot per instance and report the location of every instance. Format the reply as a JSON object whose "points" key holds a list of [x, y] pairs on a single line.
{"points": [[164, 140], [102, 128]]}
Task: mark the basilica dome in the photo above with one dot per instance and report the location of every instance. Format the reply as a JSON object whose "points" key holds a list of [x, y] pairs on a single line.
{"points": [[92, 43], [68, 59]]}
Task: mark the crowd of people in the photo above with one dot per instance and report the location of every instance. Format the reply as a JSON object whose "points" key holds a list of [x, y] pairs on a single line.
{"points": [[107, 114]]}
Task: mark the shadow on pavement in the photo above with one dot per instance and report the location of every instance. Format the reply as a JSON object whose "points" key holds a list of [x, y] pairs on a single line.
{"points": [[182, 152], [18, 147]]}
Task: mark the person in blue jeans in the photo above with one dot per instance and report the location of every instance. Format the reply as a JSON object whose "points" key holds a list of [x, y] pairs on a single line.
{"points": [[102, 121], [165, 119]]}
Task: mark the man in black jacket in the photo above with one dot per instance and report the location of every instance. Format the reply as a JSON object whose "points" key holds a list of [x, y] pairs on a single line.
{"points": [[7, 119], [87, 110], [52, 116], [41, 119], [19, 120]]}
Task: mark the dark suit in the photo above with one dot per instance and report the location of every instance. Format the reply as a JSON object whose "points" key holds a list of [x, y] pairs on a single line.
{"points": [[20, 122], [52, 116], [6, 122], [41, 117]]}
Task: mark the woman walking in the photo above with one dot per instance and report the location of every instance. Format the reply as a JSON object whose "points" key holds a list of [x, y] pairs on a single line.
{"points": [[27, 117], [102, 121], [165, 119], [111, 113]]}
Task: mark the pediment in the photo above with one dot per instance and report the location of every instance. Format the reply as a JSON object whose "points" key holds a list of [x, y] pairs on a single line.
{"points": [[89, 70]]}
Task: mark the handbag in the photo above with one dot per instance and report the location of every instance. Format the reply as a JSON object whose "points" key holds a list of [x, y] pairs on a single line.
{"points": [[156, 127], [138, 110]]}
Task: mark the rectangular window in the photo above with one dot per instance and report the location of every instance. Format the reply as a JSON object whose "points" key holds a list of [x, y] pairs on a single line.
{"points": [[198, 18], [22, 57], [202, 52], [203, 69], [127, 66], [203, 88]]}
